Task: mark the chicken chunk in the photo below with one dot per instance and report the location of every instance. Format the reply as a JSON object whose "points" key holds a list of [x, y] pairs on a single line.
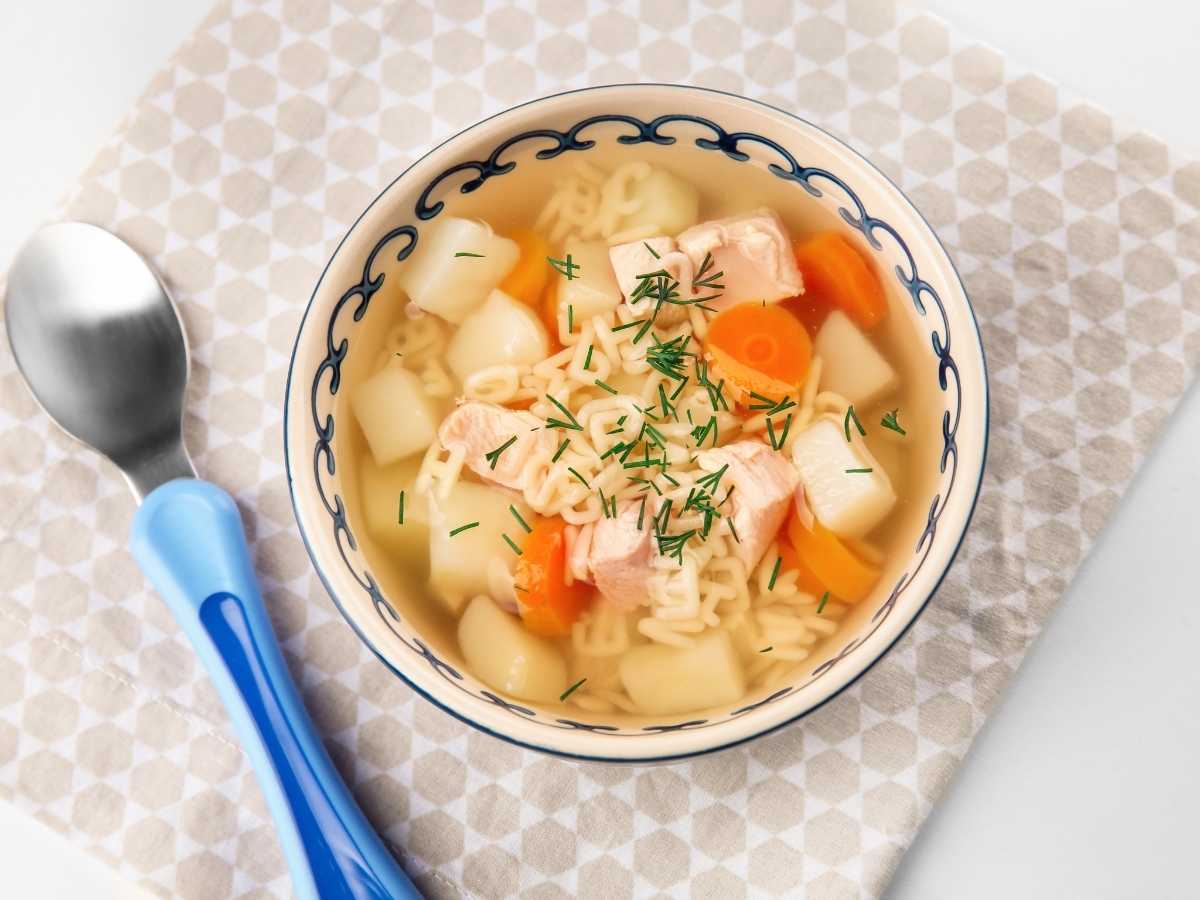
{"points": [[480, 428], [754, 253], [619, 558], [652, 255], [763, 484]]}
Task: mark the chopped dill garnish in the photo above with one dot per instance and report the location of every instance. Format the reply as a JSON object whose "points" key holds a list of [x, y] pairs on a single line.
{"points": [[572, 689], [643, 463], [664, 474], [767, 649], [587, 359], [565, 267], [613, 431], [725, 499], [890, 421], [400, 515], [669, 358], [604, 387], [621, 421], [733, 530], [701, 432], [398, 355], [715, 398], [608, 505], [852, 416], [709, 282], [655, 436], [774, 573], [572, 423], [509, 541], [859, 471], [679, 390], [561, 447], [667, 408], [642, 513], [618, 447], [647, 484], [662, 520], [673, 544], [582, 480], [650, 250], [517, 515], [763, 402], [521, 588], [570, 319], [824, 600], [777, 442], [461, 528], [465, 253], [632, 324], [493, 456], [710, 481]]}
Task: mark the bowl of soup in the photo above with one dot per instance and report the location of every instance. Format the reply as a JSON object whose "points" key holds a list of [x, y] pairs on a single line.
{"points": [[636, 422]]}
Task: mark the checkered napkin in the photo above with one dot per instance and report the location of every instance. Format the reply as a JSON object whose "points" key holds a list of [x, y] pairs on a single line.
{"points": [[237, 172]]}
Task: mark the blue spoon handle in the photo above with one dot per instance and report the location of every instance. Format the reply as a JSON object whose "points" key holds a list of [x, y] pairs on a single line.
{"points": [[187, 536]]}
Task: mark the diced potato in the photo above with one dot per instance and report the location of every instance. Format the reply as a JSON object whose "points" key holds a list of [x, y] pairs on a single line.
{"points": [[593, 291], [665, 202], [664, 680], [506, 657], [501, 331], [850, 364], [397, 416], [634, 259], [459, 564], [847, 501], [454, 286], [379, 489]]}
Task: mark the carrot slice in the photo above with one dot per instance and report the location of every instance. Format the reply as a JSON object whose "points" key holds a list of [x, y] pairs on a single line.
{"points": [[547, 310], [761, 349], [835, 272], [548, 604], [805, 579], [527, 280], [845, 575]]}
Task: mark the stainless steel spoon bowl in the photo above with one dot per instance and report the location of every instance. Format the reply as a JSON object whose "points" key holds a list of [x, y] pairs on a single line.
{"points": [[101, 345], [98, 339]]}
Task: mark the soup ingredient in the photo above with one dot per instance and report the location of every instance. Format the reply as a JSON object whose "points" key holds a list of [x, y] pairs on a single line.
{"points": [[663, 202], [503, 331], [592, 292], [549, 606], [663, 680], [850, 363], [396, 415], [638, 258], [459, 564], [763, 484], [831, 561], [619, 558], [454, 286], [835, 271], [380, 488], [892, 423], [752, 251], [528, 278], [806, 581], [548, 314], [761, 349], [847, 490], [506, 657], [482, 429]]}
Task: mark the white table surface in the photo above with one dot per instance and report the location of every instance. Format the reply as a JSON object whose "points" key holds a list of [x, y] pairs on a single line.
{"points": [[1082, 784]]}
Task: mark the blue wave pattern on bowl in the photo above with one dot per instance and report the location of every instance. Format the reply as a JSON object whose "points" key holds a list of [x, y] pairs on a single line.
{"points": [[728, 143]]}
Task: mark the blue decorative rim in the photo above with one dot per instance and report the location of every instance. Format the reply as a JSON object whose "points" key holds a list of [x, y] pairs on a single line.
{"points": [[405, 238]]}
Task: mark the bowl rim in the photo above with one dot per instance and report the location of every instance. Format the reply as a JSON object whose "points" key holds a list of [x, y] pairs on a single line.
{"points": [[767, 729]]}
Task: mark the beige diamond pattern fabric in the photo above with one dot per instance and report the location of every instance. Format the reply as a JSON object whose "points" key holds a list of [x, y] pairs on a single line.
{"points": [[237, 172]]}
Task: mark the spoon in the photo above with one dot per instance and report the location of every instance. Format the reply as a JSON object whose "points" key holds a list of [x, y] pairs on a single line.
{"points": [[101, 345]]}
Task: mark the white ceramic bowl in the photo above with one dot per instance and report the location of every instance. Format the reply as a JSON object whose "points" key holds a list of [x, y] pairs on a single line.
{"points": [[739, 132]]}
